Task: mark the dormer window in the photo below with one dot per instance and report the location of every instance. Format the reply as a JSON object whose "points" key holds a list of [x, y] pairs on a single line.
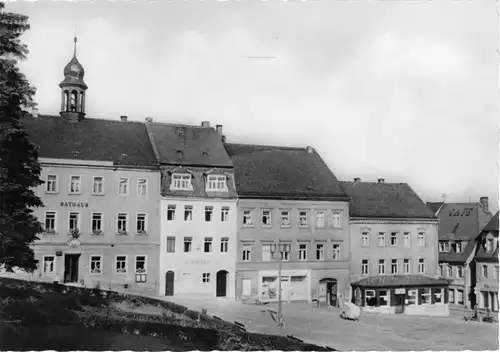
{"points": [[489, 245], [181, 182], [444, 246], [216, 183]]}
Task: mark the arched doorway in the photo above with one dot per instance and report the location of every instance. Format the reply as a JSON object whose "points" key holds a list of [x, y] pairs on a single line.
{"points": [[221, 283], [331, 291], [169, 283]]}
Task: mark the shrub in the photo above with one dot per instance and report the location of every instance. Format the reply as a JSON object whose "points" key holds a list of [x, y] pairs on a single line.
{"points": [[25, 312]]}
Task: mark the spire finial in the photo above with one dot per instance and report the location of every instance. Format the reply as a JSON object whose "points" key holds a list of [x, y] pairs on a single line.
{"points": [[75, 39]]}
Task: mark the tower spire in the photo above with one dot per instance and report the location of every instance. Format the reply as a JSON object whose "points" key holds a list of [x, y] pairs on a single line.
{"points": [[75, 39]]}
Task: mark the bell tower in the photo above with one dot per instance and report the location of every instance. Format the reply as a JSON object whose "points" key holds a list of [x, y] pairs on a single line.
{"points": [[73, 90]]}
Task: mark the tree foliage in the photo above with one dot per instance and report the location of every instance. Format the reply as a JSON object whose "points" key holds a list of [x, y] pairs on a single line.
{"points": [[19, 167]]}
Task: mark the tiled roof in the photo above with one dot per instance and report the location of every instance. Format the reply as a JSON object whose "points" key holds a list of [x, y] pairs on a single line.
{"points": [[189, 145], [400, 281], [282, 173], [461, 221], [453, 257], [434, 206], [491, 227], [385, 200], [124, 143]]}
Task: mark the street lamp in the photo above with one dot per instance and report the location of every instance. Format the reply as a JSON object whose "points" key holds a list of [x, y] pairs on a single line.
{"points": [[284, 248]]}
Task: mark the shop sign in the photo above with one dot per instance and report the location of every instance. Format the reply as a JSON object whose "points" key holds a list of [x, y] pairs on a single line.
{"points": [[488, 287], [197, 262], [74, 242], [400, 291], [74, 204]]}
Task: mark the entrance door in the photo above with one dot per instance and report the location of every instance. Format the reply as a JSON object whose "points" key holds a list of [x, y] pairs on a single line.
{"points": [[285, 288], [221, 289], [331, 289], [71, 267], [400, 304], [169, 283], [247, 287]]}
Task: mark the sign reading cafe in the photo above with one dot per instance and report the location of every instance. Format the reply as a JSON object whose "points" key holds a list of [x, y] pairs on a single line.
{"points": [[74, 204]]}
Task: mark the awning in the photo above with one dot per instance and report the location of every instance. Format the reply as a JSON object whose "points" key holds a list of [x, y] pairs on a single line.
{"points": [[400, 281]]}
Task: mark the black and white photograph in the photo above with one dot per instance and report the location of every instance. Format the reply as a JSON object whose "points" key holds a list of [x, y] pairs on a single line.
{"points": [[316, 175]]}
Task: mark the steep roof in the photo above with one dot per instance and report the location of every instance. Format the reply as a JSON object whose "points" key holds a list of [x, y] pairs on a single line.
{"points": [[434, 206], [282, 173], [189, 145], [400, 281], [461, 221], [491, 227], [385, 200], [124, 143], [454, 257]]}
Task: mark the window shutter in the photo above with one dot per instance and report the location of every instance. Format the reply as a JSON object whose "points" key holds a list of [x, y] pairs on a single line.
{"points": [[420, 292], [445, 295], [393, 297], [433, 297]]}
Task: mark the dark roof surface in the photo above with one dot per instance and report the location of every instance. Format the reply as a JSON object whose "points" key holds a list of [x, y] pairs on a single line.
{"points": [[462, 221], [454, 257], [434, 206], [282, 172], [124, 143], [399, 281], [491, 227], [385, 200], [189, 145]]}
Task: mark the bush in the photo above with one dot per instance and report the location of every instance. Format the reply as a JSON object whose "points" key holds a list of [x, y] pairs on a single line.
{"points": [[25, 312]]}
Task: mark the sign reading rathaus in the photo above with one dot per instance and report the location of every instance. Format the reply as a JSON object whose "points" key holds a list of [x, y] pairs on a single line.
{"points": [[75, 204]]}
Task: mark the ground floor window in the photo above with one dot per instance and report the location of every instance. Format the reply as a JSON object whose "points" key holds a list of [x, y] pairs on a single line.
{"points": [[438, 295], [95, 264], [206, 277], [49, 264], [384, 298], [370, 298], [269, 287], [425, 296], [460, 297], [121, 264], [451, 295], [412, 297]]}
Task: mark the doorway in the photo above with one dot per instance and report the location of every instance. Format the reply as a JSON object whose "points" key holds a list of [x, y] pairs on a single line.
{"points": [[169, 283], [247, 287], [71, 267], [331, 291], [221, 283], [400, 304]]}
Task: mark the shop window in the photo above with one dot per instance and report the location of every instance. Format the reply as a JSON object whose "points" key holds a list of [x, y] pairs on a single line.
{"points": [[425, 296], [412, 298], [460, 297], [451, 295], [384, 298], [438, 295], [370, 298]]}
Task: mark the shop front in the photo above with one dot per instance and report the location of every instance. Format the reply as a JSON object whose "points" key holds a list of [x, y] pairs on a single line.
{"points": [[402, 294], [487, 296], [295, 285]]}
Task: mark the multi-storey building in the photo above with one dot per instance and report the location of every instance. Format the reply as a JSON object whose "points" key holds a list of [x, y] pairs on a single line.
{"points": [[198, 217], [459, 226], [394, 254], [101, 195], [289, 196], [486, 265]]}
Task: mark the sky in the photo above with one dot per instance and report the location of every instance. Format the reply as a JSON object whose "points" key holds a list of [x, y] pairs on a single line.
{"points": [[401, 90]]}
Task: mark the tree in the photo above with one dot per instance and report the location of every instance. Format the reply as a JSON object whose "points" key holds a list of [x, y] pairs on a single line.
{"points": [[19, 167]]}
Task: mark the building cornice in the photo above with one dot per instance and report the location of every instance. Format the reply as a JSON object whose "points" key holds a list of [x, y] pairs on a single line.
{"points": [[93, 164], [65, 244], [393, 221]]}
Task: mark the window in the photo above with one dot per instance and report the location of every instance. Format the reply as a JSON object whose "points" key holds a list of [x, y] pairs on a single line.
{"points": [[75, 185], [247, 218], [320, 252], [207, 248], [142, 187], [458, 247], [50, 221], [170, 244], [460, 297], [320, 219], [381, 239], [285, 218], [285, 256], [451, 295], [438, 295], [171, 212], [74, 223], [412, 297], [394, 239], [140, 264], [266, 218], [421, 265], [205, 278], [123, 186], [449, 271], [266, 252], [224, 214], [364, 267], [460, 272], [122, 222], [303, 218], [394, 266], [336, 251], [444, 246], [247, 252], [188, 242], [49, 264], [384, 298], [406, 240], [121, 264], [489, 245], [181, 182], [426, 296], [421, 239], [95, 264], [98, 185], [188, 213], [302, 251], [381, 266], [51, 185], [208, 213], [496, 272], [96, 222], [406, 266], [216, 183], [141, 223], [365, 239], [485, 271], [370, 298], [224, 244], [336, 220]]}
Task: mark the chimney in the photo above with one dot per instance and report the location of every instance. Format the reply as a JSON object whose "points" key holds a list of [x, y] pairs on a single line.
{"points": [[381, 180], [223, 139], [310, 150], [219, 130], [484, 202], [205, 124], [357, 180], [123, 118], [35, 113], [149, 120]]}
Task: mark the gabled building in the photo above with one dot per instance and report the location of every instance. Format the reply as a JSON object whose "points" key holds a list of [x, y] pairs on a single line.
{"points": [[101, 195], [198, 216], [394, 256], [288, 197], [486, 265], [459, 226]]}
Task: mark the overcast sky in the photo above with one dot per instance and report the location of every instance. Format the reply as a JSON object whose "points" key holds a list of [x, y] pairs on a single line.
{"points": [[405, 90]]}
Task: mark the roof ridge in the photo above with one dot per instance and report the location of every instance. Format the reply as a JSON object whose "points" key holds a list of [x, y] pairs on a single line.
{"points": [[94, 119], [377, 183], [180, 125], [267, 146]]}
